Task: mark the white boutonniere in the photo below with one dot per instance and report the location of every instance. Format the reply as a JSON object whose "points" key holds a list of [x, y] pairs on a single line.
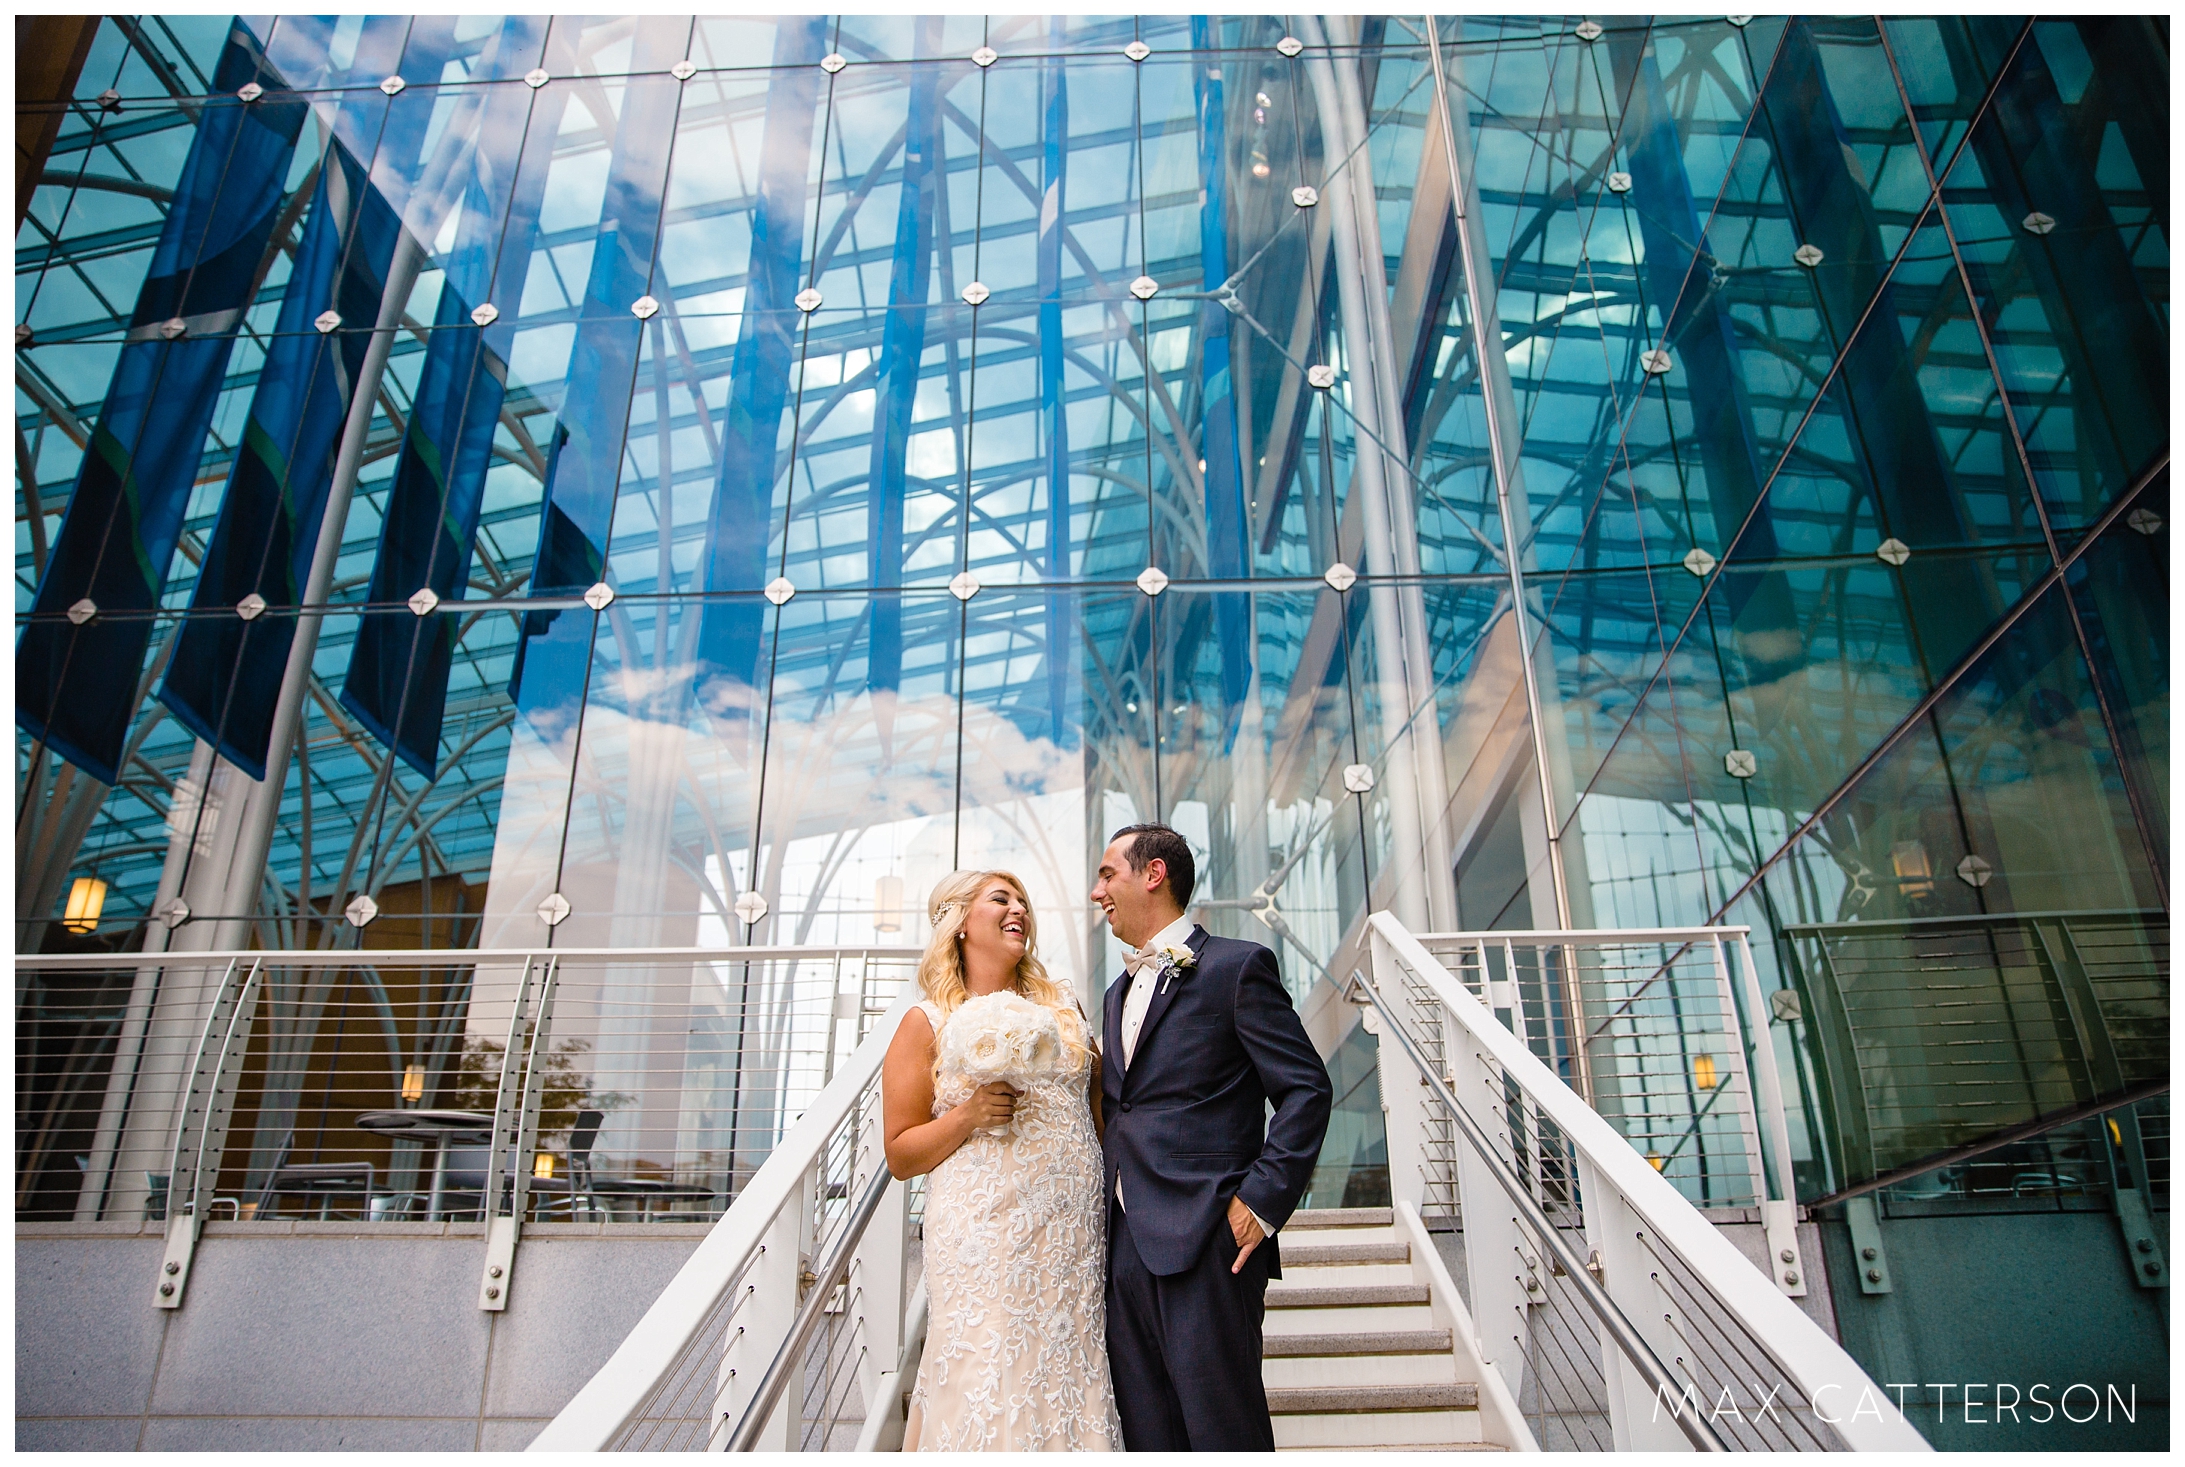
{"points": [[1175, 960]]}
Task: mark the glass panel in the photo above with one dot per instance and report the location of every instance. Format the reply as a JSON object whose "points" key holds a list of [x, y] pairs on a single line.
{"points": [[1058, 751], [1353, 1167], [2022, 779], [857, 771], [1635, 849], [2121, 588], [1251, 767], [1832, 635], [1058, 448], [668, 769], [1606, 635], [2081, 339], [1947, 65], [2006, 802]]}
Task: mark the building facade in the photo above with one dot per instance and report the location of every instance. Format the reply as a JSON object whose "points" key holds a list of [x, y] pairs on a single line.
{"points": [[631, 483]]}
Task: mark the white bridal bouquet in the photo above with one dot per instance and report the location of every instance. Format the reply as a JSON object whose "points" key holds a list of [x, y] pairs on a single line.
{"points": [[1005, 1037]]}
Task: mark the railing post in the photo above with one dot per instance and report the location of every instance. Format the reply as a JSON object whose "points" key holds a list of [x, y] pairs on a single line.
{"points": [[145, 1095], [1778, 1179], [1493, 1255], [879, 1267], [515, 1128], [1404, 1095], [201, 1134], [1512, 987], [2120, 1128], [1639, 1419], [1745, 1103], [1828, 1023], [1574, 1004], [774, 1287]]}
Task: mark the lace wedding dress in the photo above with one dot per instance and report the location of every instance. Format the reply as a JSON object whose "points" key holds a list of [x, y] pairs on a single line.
{"points": [[1016, 1356]]}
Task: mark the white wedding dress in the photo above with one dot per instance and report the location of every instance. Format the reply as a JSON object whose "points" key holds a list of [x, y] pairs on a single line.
{"points": [[1016, 1356]]}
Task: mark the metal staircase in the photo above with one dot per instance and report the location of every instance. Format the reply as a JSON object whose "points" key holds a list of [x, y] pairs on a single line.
{"points": [[1600, 1309]]}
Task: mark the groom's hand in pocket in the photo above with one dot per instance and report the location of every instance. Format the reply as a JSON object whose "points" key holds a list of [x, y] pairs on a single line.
{"points": [[1245, 1229]]}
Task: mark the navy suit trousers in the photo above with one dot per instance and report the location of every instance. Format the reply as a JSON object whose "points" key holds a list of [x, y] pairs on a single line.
{"points": [[1185, 1347]]}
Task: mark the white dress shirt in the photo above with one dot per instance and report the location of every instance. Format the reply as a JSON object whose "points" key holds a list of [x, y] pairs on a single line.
{"points": [[1145, 968]]}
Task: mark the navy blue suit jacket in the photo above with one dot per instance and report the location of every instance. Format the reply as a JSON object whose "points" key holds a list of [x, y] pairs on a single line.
{"points": [[1187, 1125]]}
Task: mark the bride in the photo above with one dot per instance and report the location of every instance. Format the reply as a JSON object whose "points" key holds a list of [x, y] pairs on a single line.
{"points": [[1015, 1234]]}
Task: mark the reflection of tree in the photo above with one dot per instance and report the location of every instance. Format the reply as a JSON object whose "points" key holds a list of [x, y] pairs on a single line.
{"points": [[563, 1090]]}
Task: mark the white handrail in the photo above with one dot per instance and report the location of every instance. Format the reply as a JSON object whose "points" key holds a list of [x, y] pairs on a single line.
{"points": [[620, 1388], [1816, 1362]]}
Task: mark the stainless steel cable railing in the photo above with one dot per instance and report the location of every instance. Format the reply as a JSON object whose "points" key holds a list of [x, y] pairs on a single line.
{"points": [[785, 1328], [1613, 1310], [503, 1089]]}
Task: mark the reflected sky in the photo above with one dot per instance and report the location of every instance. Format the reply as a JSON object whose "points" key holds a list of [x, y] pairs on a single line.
{"points": [[835, 377]]}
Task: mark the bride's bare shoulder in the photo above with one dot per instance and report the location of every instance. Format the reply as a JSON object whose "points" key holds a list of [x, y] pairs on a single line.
{"points": [[915, 1032]]}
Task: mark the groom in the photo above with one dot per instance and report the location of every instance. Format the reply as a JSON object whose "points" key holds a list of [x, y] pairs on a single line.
{"points": [[1200, 1036]]}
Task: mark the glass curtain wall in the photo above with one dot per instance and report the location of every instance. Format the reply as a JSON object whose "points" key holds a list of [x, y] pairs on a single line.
{"points": [[774, 463]]}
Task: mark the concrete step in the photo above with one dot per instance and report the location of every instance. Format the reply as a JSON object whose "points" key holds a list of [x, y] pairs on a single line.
{"points": [[1355, 1372], [1282, 1294], [1310, 1252], [1348, 1319], [1373, 1400], [1344, 1275], [1389, 1446], [1378, 1238], [1377, 1431], [1348, 1233], [1360, 1342], [1340, 1217]]}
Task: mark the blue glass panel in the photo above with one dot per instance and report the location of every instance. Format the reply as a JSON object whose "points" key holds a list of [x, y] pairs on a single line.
{"points": [[1258, 787], [672, 768], [2081, 343], [902, 352], [1607, 633], [225, 679], [1948, 64], [2121, 585], [740, 530], [126, 514], [397, 683], [583, 465], [1228, 531]]}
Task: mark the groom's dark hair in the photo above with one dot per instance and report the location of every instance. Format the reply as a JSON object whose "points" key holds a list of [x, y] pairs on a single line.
{"points": [[1156, 842]]}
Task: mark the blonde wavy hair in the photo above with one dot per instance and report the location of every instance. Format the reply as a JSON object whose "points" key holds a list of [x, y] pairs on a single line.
{"points": [[941, 970]]}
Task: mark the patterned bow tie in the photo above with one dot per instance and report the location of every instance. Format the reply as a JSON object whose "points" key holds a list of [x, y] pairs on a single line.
{"points": [[1137, 959]]}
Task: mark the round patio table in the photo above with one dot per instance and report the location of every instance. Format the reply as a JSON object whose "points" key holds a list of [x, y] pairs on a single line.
{"points": [[442, 1127]]}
